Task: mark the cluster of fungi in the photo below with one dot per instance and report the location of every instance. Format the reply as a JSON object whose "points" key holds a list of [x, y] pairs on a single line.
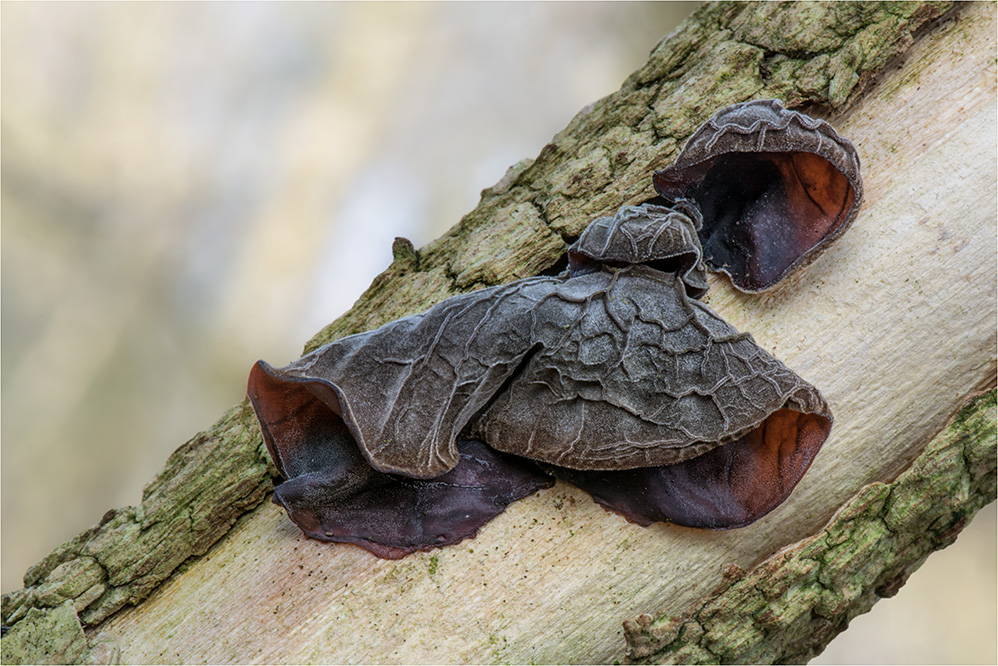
{"points": [[613, 376]]}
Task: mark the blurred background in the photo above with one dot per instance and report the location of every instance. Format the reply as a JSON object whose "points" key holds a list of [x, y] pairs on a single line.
{"points": [[187, 188]]}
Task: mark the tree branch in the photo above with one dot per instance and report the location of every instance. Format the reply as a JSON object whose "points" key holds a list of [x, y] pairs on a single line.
{"points": [[894, 323]]}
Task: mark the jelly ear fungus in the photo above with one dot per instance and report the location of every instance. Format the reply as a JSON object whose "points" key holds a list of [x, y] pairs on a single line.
{"points": [[614, 377], [774, 187]]}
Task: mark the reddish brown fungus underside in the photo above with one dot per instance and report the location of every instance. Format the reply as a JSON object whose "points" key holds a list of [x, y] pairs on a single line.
{"points": [[774, 187]]}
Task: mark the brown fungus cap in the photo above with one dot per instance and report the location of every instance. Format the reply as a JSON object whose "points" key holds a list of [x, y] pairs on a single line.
{"points": [[774, 187], [664, 238]]}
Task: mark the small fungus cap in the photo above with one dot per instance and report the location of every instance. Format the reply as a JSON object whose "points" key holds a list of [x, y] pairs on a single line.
{"points": [[664, 238]]}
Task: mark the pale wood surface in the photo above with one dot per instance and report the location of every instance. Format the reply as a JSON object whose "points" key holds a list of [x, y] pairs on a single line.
{"points": [[895, 324]]}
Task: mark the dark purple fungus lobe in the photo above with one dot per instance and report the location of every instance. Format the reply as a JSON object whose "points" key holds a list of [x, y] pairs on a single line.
{"points": [[731, 485], [416, 434], [334, 494], [774, 186]]}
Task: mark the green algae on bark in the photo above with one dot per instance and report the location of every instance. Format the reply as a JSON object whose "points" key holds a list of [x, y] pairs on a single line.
{"points": [[52, 636]]}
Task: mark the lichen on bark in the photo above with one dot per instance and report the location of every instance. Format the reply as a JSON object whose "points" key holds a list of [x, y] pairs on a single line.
{"points": [[52, 636], [788, 608]]}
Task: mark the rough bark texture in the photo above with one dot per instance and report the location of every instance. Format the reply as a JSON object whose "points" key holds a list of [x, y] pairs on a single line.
{"points": [[204, 487], [919, 263]]}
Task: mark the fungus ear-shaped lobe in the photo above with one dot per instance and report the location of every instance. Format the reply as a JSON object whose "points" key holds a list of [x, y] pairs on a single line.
{"points": [[730, 486], [333, 494], [774, 187], [405, 391], [765, 214], [301, 423]]}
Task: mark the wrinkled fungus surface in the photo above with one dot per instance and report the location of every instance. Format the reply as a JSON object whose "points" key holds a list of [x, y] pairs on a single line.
{"points": [[613, 377], [774, 187]]}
